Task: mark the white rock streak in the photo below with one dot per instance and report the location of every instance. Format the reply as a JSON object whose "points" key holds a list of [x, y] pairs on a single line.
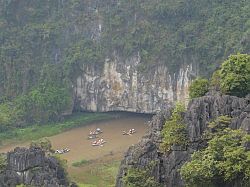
{"points": [[122, 86]]}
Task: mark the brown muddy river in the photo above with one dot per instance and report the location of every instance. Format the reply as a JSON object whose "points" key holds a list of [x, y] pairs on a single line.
{"points": [[81, 148]]}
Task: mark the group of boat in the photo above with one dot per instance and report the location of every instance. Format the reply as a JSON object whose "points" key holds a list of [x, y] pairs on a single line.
{"points": [[130, 132], [99, 142], [94, 135]]}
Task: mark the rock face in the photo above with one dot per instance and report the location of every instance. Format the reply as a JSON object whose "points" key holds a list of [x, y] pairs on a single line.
{"points": [[32, 167], [199, 112], [123, 85]]}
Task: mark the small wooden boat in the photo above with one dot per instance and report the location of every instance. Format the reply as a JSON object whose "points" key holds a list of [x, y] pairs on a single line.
{"points": [[98, 143], [62, 151], [130, 132], [91, 137]]}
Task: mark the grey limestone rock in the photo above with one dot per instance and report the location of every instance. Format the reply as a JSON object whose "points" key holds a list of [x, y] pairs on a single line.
{"points": [[32, 167], [199, 113]]}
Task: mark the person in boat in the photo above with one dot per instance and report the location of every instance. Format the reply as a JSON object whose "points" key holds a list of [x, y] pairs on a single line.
{"points": [[130, 131], [99, 142], [98, 131], [92, 136]]}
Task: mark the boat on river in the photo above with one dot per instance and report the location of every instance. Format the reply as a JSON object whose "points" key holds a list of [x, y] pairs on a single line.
{"points": [[99, 142], [62, 151], [130, 132]]}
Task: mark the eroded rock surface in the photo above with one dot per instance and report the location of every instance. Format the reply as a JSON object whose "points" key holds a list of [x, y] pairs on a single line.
{"points": [[32, 167], [123, 85], [199, 113]]}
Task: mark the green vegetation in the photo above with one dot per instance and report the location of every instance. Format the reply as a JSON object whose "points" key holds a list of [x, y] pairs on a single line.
{"points": [[174, 130], [97, 174], [136, 177], [216, 127], [44, 45], [86, 185], [44, 144], [215, 81], [3, 162], [167, 30], [63, 163], [80, 163], [235, 75], [198, 88], [224, 161], [43, 104], [219, 124], [8, 116], [232, 78], [36, 132]]}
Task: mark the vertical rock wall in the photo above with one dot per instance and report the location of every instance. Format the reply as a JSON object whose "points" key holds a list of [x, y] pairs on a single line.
{"points": [[199, 113], [123, 85], [32, 167]]}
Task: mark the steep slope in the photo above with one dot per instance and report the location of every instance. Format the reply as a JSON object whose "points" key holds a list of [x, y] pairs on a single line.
{"points": [[200, 111], [32, 167], [69, 45]]}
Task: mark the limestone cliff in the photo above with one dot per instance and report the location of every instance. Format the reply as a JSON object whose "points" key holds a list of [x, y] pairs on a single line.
{"points": [[47, 42], [199, 112], [122, 85], [32, 167]]}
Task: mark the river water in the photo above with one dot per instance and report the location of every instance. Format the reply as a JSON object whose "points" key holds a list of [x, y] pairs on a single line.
{"points": [[81, 148]]}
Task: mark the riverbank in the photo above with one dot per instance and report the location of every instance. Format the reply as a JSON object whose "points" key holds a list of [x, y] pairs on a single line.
{"points": [[36, 132], [98, 173], [96, 166]]}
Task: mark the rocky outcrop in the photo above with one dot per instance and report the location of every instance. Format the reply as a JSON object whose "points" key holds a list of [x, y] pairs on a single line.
{"points": [[32, 167], [123, 85], [199, 112]]}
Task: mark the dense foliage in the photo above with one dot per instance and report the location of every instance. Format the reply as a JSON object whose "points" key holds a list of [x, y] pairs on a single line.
{"points": [[224, 161], [218, 125], [232, 78], [235, 75], [80, 163], [3, 162], [9, 115], [37, 131], [215, 81], [44, 144], [46, 43], [174, 130], [42, 104], [198, 88], [136, 177]]}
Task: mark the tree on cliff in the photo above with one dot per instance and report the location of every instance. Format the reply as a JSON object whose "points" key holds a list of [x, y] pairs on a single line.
{"points": [[44, 144], [174, 130], [198, 88], [137, 177], [235, 75], [225, 160], [3, 162]]}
